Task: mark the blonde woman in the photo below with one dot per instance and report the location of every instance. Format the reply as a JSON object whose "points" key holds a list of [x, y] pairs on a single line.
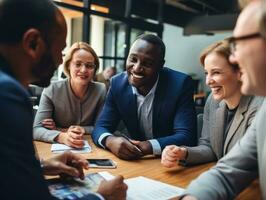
{"points": [[227, 113], [68, 108]]}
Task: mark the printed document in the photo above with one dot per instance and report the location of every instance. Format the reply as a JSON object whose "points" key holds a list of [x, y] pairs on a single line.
{"points": [[60, 148], [140, 188]]}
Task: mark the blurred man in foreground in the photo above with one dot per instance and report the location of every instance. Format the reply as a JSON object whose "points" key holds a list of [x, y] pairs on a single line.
{"points": [[32, 38]]}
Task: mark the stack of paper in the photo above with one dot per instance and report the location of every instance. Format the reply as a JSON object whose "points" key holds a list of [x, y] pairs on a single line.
{"points": [[60, 148]]}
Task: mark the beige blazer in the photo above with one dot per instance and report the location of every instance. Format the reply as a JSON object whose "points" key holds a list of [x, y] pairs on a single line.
{"points": [[210, 145], [238, 168], [60, 103]]}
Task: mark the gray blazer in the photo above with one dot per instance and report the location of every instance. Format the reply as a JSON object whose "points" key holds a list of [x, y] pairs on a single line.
{"points": [[59, 103], [210, 145], [238, 168]]}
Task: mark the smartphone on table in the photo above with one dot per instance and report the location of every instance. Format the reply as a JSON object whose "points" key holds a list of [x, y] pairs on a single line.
{"points": [[101, 163]]}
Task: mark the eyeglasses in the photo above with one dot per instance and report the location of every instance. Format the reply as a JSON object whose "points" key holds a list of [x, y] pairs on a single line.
{"points": [[232, 40], [89, 66]]}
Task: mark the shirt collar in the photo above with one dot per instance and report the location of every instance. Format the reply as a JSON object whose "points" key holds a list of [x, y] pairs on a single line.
{"points": [[152, 91]]}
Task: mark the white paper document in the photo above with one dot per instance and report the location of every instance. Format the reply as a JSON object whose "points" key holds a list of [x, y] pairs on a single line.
{"points": [[60, 148], [140, 188]]}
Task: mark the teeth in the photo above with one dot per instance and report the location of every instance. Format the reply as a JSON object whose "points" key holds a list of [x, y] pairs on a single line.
{"points": [[216, 89], [137, 76]]}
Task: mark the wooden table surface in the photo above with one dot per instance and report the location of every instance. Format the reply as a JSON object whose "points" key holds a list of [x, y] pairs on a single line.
{"points": [[150, 167]]}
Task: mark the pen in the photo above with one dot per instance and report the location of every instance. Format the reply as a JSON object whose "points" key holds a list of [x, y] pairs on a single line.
{"points": [[128, 139]]}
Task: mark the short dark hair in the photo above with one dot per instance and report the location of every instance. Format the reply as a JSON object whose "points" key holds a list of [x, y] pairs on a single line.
{"points": [[17, 16], [153, 39]]}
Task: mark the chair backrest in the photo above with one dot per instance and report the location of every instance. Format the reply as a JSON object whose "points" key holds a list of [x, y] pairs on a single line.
{"points": [[199, 124], [199, 109], [36, 93]]}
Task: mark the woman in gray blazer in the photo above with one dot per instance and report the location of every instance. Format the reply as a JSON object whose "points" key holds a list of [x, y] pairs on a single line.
{"points": [[227, 113], [68, 109]]}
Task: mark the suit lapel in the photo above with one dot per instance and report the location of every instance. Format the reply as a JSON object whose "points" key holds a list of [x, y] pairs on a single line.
{"points": [[237, 120], [158, 101], [132, 112], [217, 131]]}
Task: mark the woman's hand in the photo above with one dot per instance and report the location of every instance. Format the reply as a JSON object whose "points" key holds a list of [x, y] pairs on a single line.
{"points": [[73, 137], [49, 123], [172, 154]]}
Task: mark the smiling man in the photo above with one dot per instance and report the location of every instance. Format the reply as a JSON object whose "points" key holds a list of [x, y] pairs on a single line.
{"points": [[154, 102]]}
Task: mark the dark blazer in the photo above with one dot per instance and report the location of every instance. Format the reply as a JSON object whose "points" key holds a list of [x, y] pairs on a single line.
{"points": [[174, 120], [21, 174]]}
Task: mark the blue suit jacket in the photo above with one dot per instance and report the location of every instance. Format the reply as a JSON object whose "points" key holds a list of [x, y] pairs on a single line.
{"points": [[21, 174], [174, 118]]}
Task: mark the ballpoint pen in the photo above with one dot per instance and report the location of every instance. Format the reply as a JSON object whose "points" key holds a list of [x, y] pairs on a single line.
{"points": [[128, 139]]}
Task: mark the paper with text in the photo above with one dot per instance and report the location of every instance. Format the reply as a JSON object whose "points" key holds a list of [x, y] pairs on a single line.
{"points": [[140, 188], [60, 148]]}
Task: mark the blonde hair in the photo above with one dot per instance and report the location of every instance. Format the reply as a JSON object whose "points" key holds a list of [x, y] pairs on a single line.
{"points": [[69, 55], [222, 48]]}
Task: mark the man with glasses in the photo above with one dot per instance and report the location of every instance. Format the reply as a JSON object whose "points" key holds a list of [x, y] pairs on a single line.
{"points": [[247, 160], [233, 40], [154, 102]]}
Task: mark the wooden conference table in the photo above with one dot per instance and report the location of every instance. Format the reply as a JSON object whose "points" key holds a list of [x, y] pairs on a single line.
{"points": [[150, 167]]}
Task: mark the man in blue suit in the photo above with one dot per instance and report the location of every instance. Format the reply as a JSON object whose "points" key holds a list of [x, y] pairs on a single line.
{"points": [[154, 102]]}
